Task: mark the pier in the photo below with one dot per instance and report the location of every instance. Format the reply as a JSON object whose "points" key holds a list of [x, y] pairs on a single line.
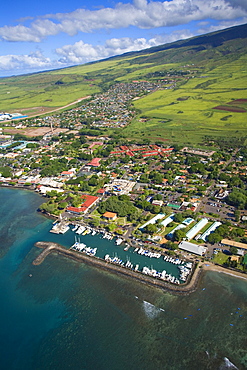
{"points": [[50, 247]]}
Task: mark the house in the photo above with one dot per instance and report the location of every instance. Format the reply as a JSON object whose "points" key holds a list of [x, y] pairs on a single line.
{"points": [[101, 191], [95, 162], [157, 202], [235, 258], [110, 216]]}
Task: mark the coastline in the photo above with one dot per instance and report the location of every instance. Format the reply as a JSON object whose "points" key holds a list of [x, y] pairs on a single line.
{"points": [[211, 267], [187, 288]]}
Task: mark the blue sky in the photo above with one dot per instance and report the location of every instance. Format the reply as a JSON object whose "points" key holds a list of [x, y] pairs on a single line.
{"points": [[49, 34]]}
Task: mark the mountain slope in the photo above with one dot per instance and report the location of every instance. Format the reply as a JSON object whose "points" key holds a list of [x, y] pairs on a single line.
{"points": [[202, 73]]}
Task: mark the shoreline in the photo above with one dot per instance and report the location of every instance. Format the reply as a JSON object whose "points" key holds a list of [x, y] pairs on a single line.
{"points": [[208, 266], [187, 288]]}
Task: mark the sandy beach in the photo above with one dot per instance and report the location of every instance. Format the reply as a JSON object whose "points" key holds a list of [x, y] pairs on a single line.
{"points": [[211, 267]]}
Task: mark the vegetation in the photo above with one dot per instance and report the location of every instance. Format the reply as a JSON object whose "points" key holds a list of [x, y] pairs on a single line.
{"points": [[197, 76], [120, 205]]}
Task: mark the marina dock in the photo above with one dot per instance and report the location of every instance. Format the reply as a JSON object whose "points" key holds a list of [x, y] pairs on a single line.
{"points": [[49, 247]]}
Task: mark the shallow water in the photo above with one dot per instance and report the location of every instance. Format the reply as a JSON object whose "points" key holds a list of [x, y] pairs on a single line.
{"points": [[67, 315]]}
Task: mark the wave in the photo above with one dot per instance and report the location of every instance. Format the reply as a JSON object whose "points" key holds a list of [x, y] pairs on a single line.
{"points": [[227, 364], [151, 310]]}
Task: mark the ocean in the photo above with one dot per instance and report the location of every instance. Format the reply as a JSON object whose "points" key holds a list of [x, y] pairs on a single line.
{"points": [[64, 314]]}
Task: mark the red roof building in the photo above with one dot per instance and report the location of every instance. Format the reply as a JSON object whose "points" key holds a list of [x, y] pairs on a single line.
{"points": [[101, 191], [95, 162], [89, 201]]}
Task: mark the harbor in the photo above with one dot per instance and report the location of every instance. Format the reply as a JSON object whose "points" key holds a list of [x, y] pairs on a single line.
{"points": [[115, 250], [50, 247], [102, 249]]}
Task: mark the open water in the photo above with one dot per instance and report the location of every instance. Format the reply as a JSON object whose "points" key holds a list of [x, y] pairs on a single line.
{"points": [[67, 315]]}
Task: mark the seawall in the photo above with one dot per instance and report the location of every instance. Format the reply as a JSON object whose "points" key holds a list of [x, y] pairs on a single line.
{"points": [[49, 247]]}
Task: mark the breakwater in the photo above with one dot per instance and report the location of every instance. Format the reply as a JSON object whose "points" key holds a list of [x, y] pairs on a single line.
{"points": [[51, 247]]}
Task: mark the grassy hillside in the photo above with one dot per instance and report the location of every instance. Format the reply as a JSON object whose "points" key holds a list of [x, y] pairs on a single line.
{"points": [[185, 113], [188, 113]]}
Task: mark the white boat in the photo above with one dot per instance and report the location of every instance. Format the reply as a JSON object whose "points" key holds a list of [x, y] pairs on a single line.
{"points": [[80, 230]]}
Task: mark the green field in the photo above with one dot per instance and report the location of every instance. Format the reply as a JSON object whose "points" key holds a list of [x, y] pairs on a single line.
{"points": [[169, 117], [182, 114]]}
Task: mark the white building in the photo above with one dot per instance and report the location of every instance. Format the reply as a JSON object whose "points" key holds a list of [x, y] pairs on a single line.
{"points": [[210, 230], [192, 248], [195, 229], [159, 216]]}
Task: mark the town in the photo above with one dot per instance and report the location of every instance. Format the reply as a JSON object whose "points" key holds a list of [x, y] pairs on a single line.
{"points": [[179, 200]]}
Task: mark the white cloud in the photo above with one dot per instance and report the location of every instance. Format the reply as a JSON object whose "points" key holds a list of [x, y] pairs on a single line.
{"points": [[81, 52], [140, 13], [206, 27], [34, 60]]}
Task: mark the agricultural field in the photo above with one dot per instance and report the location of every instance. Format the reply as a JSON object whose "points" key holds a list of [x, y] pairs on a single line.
{"points": [[44, 90], [188, 112], [210, 101]]}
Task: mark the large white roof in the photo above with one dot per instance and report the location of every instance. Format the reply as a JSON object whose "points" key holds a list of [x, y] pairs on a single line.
{"points": [[192, 248], [195, 229]]}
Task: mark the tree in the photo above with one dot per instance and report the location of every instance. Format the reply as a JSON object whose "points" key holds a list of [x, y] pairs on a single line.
{"points": [[93, 181], [214, 238], [237, 215], [237, 198], [95, 222], [234, 250], [5, 171], [170, 245], [178, 217], [151, 229], [52, 193], [62, 205], [179, 235]]}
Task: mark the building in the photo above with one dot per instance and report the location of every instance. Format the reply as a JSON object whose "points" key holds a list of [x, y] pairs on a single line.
{"points": [[44, 189], [88, 202], [210, 230], [178, 227], [232, 243], [167, 220], [67, 174], [153, 220], [110, 216], [158, 202], [195, 229], [192, 248], [95, 162], [119, 186]]}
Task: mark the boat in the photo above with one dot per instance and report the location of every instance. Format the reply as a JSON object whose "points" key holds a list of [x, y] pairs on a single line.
{"points": [[80, 230]]}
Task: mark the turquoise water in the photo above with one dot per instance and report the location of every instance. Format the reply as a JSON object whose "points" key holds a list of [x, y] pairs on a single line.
{"points": [[105, 246], [68, 315]]}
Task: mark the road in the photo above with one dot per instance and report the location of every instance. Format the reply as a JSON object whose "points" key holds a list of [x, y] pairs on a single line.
{"points": [[55, 110]]}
